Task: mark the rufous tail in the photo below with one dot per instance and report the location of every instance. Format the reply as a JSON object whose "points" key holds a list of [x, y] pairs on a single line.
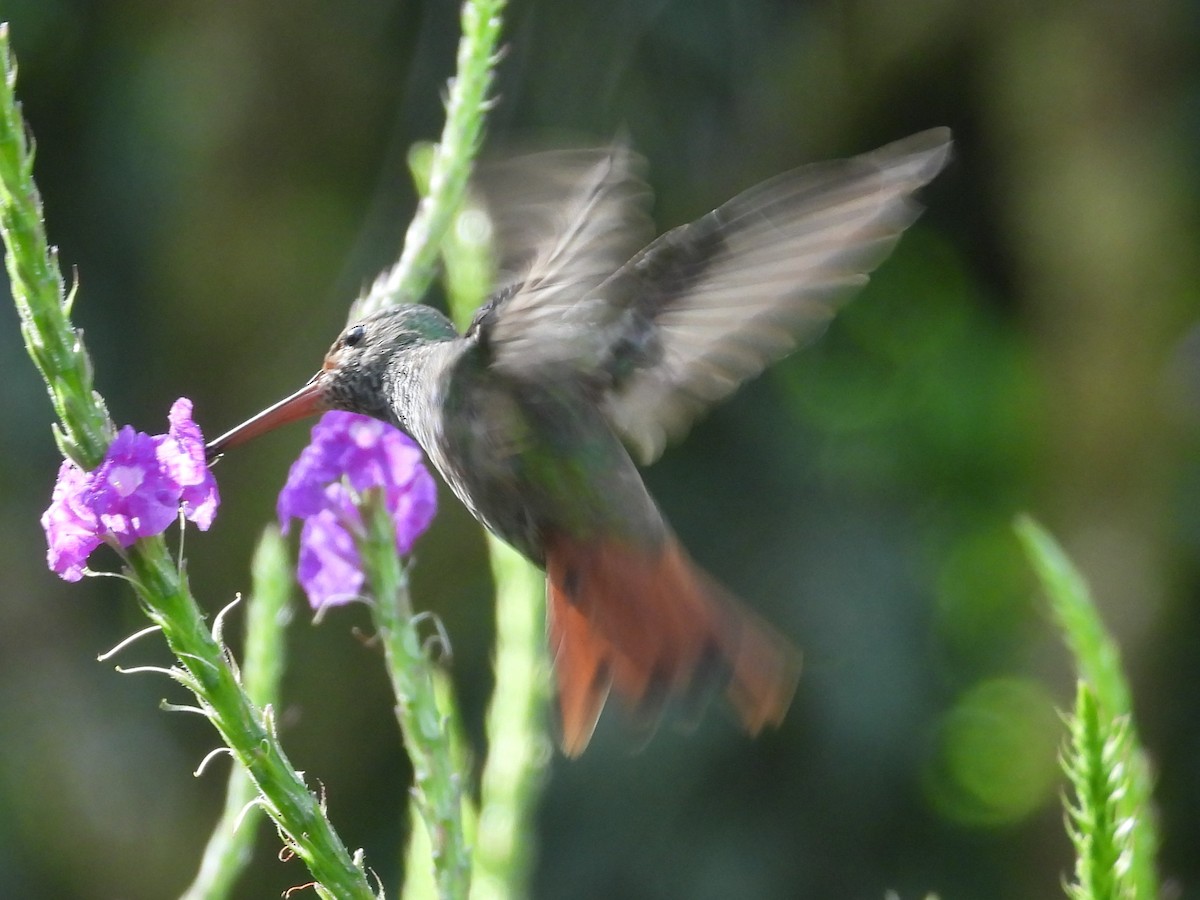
{"points": [[654, 628]]}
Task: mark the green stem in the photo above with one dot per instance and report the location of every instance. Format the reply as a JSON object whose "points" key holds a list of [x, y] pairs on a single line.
{"points": [[37, 286], [1094, 763], [85, 433], [1093, 648], [267, 615], [249, 734], [518, 749], [425, 723], [466, 106], [1098, 661], [419, 875]]}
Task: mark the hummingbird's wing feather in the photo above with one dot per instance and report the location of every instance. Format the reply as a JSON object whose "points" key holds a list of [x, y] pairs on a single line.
{"points": [[668, 332], [563, 221], [712, 303]]}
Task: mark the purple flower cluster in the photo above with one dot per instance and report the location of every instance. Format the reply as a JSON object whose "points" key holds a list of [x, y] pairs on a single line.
{"points": [[137, 491], [349, 455]]}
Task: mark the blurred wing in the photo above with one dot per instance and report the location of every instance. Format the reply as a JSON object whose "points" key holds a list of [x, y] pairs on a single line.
{"points": [[563, 221], [712, 303]]}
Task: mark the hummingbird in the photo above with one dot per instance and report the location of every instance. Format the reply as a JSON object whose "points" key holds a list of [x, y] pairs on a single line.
{"points": [[588, 357]]}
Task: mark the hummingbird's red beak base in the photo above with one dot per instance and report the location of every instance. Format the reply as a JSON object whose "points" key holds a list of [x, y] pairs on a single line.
{"points": [[308, 401]]}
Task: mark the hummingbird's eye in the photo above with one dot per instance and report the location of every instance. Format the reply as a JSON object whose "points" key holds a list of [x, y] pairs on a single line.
{"points": [[354, 336]]}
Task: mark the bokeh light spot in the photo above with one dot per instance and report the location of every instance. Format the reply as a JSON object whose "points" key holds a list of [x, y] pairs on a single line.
{"points": [[996, 755]]}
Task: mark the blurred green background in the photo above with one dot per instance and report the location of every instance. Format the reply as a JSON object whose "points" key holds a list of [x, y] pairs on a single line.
{"points": [[225, 177]]}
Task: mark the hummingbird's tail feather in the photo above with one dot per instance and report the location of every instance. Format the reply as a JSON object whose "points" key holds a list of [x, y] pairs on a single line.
{"points": [[656, 629]]}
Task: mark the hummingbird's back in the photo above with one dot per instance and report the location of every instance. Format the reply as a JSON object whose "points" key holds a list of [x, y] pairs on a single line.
{"points": [[538, 464], [530, 458]]}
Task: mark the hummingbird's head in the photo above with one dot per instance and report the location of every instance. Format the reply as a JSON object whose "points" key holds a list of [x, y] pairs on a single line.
{"points": [[353, 374], [356, 366]]}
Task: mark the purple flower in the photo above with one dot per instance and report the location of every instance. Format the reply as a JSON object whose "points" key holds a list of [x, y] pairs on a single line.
{"points": [[130, 492], [329, 568], [72, 529], [181, 451], [136, 491], [349, 455]]}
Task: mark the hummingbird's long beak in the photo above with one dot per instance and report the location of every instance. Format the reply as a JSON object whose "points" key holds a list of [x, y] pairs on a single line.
{"points": [[307, 401]]}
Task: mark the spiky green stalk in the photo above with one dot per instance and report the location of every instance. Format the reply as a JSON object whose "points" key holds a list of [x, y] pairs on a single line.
{"points": [[1096, 763], [466, 107], [84, 434], [1105, 755], [267, 615], [425, 717], [518, 747], [85, 430]]}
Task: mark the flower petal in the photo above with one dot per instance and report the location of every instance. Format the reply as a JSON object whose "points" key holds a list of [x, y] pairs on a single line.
{"points": [[329, 569], [136, 491], [349, 455], [72, 530], [181, 451], [413, 507], [130, 491], [303, 493]]}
